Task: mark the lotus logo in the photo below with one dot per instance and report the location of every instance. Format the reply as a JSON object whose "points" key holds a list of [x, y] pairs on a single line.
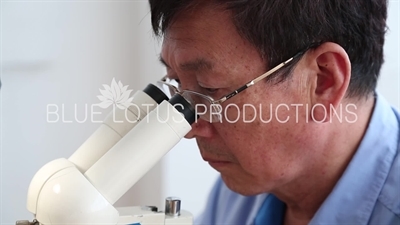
{"points": [[116, 94]]}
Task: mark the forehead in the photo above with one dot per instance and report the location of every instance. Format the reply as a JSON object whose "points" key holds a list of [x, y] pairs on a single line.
{"points": [[200, 28], [205, 38], [202, 23], [206, 32]]}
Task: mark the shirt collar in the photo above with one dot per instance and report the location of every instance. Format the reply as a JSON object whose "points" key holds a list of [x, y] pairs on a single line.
{"points": [[355, 194]]}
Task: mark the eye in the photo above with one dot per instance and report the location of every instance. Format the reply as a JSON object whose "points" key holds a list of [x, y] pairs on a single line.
{"points": [[211, 91], [208, 90]]}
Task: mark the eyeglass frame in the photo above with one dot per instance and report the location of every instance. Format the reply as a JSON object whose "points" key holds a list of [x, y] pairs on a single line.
{"points": [[237, 91]]}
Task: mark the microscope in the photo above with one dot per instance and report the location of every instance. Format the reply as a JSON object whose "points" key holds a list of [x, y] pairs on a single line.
{"points": [[83, 188]]}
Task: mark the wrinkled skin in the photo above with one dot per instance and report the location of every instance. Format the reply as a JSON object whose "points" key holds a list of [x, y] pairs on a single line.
{"points": [[288, 158]]}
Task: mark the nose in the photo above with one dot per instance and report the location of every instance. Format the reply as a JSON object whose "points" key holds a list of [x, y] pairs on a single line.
{"points": [[200, 128]]}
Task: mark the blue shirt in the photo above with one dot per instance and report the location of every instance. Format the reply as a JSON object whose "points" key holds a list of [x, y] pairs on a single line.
{"points": [[367, 193]]}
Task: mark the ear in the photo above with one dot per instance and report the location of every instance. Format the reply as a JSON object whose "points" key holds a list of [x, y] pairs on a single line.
{"points": [[331, 72]]}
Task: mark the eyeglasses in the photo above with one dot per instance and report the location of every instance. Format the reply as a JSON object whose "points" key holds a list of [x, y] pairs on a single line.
{"points": [[212, 109]]}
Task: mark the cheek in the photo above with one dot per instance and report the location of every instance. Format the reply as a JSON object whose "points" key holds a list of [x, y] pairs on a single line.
{"points": [[247, 143], [231, 115], [261, 134], [243, 113], [258, 139]]}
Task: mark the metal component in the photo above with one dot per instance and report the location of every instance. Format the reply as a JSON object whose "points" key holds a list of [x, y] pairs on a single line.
{"points": [[27, 222], [172, 206], [150, 208]]}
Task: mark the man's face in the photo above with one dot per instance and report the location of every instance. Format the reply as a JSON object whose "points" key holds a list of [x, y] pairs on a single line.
{"points": [[203, 50]]}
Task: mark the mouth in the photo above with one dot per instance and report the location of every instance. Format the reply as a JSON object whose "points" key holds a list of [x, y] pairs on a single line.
{"points": [[217, 164]]}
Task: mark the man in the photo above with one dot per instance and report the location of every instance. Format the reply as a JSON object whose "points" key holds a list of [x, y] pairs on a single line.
{"points": [[309, 142]]}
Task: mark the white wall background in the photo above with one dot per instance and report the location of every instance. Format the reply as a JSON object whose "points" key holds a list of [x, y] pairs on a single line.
{"points": [[61, 52]]}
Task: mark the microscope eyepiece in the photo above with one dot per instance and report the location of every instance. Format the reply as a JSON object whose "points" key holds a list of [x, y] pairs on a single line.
{"points": [[155, 93], [184, 107]]}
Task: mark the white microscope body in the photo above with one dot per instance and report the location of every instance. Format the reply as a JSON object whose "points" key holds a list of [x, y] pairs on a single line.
{"points": [[83, 188]]}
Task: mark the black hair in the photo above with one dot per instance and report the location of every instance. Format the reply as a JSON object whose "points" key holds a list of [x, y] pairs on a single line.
{"points": [[281, 28]]}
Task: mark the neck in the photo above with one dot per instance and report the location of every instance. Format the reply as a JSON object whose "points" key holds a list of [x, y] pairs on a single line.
{"points": [[337, 145]]}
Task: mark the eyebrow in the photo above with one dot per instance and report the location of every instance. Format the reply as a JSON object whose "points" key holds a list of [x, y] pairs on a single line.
{"points": [[199, 64]]}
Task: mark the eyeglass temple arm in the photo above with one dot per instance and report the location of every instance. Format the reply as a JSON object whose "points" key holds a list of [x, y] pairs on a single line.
{"points": [[251, 83]]}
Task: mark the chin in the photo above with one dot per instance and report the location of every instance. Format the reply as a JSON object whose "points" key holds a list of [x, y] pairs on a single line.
{"points": [[240, 186]]}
